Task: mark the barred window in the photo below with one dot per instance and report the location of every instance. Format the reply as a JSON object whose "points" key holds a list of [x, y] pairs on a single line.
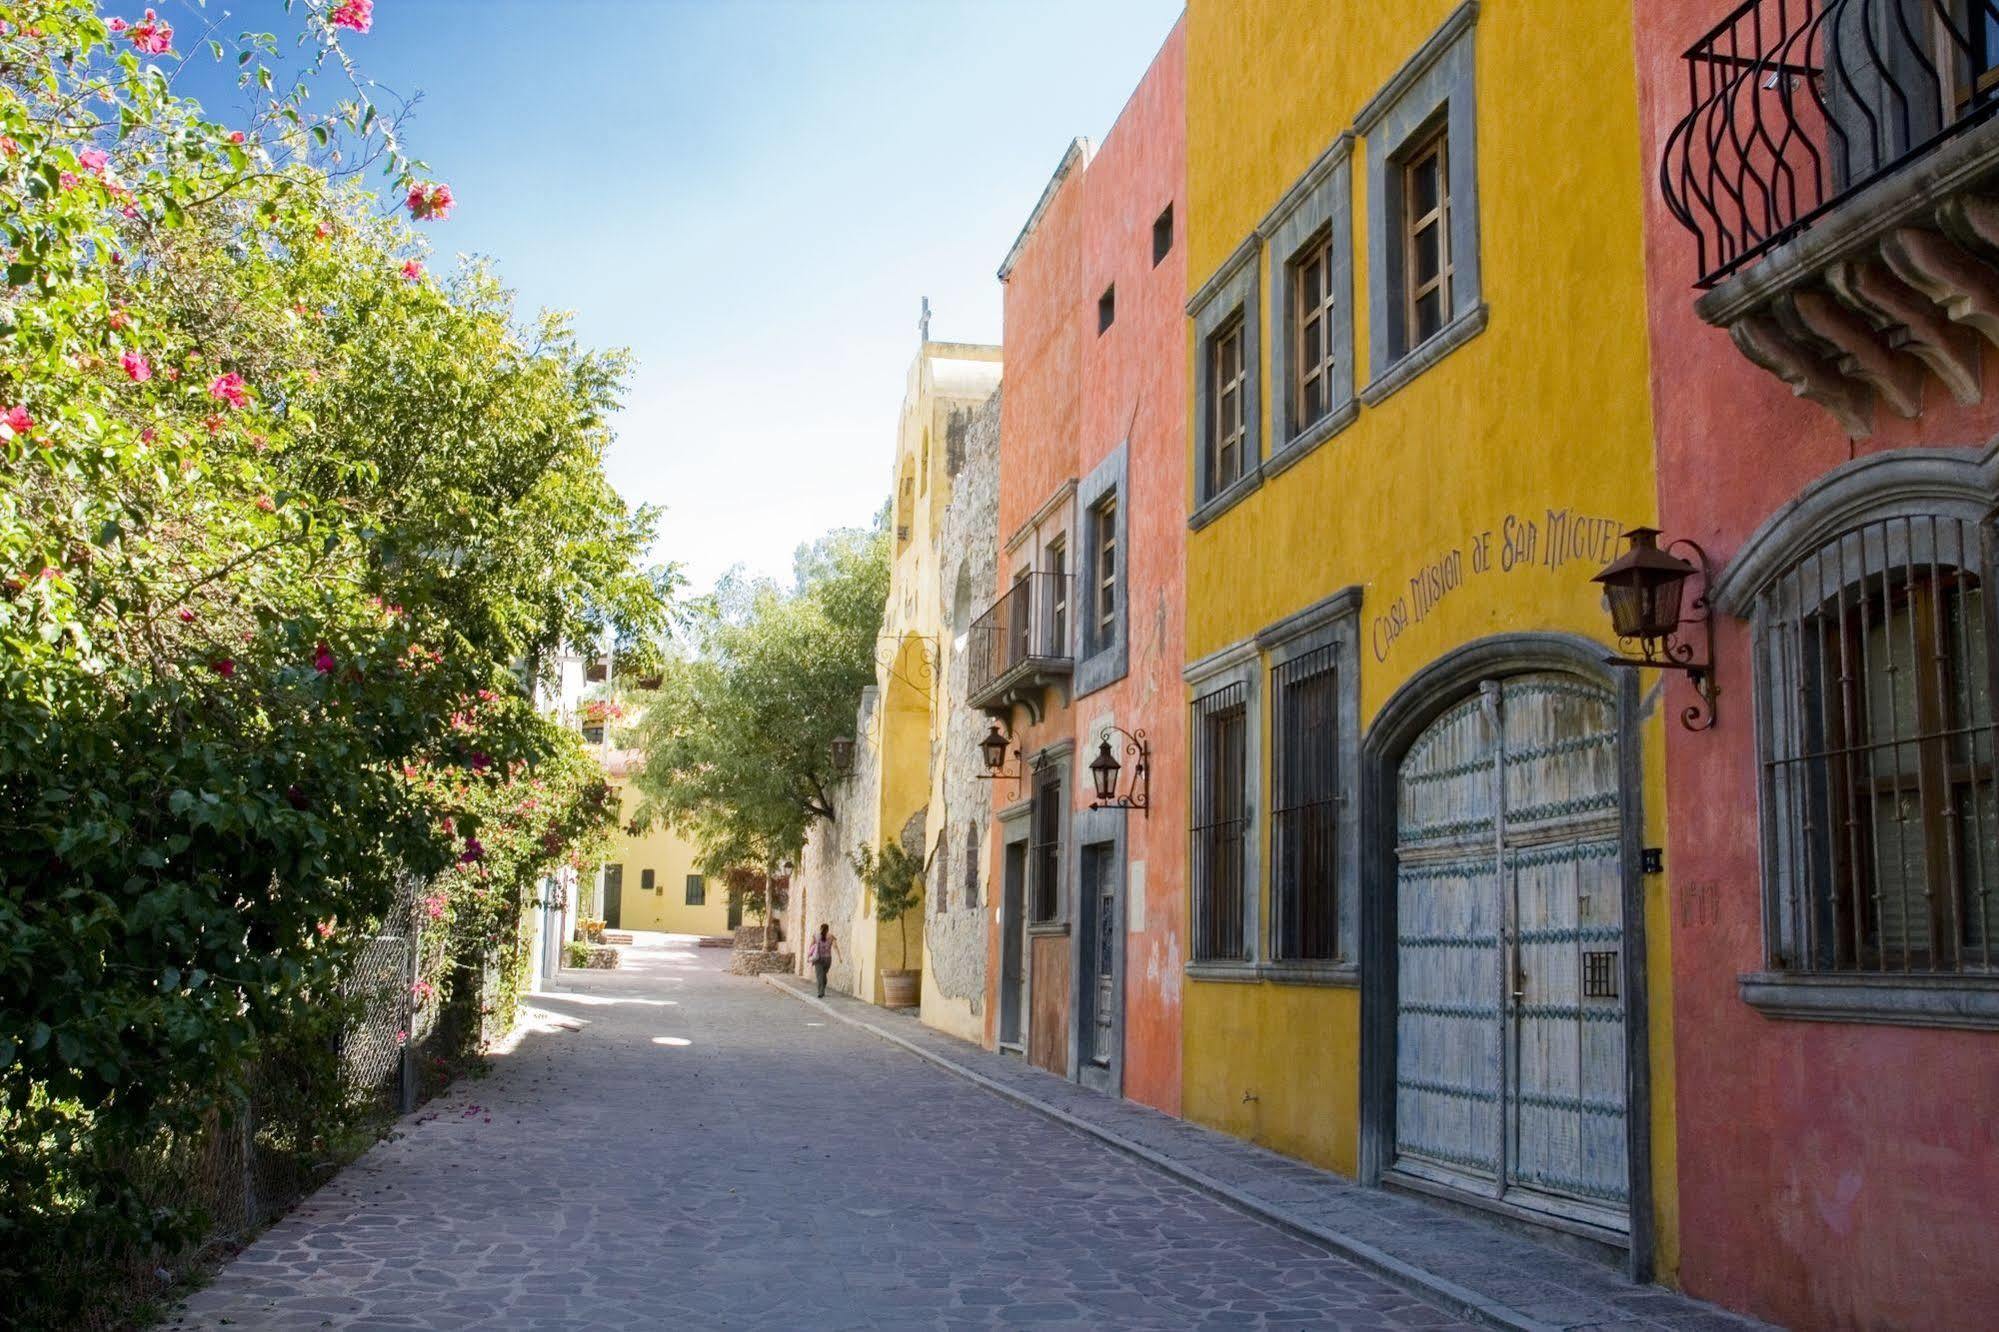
{"points": [[971, 864], [1884, 844], [1046, 853], [1220, 824], [1304, 810]]}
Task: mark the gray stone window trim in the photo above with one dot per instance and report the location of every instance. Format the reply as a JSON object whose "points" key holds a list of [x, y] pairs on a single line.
{"points": [[1102, 663], [1321, 201], [1331, 621], [1231, 292], [1894, 1001], [1434, 88], [1239, 663], [1759, 584], [1098, 827]]}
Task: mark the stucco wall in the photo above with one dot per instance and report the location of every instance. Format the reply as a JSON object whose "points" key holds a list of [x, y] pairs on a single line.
{"points": [[956, 905], [1543, 414], [1830, 1174], [671, 859]]}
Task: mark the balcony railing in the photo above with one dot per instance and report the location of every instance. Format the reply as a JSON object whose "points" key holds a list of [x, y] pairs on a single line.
{"points": [[1021, 644], [1796, 105]]}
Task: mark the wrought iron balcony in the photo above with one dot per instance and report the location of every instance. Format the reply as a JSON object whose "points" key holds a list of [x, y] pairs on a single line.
{"points": [[1833, 168], [1020, 645]]}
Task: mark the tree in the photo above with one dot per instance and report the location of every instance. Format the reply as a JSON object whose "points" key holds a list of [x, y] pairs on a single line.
{"points": [[894, 874], [287, 524], [737, 740]]}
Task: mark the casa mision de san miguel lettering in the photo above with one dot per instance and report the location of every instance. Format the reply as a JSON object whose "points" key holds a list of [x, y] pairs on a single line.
{"points": [[1559, 538]]}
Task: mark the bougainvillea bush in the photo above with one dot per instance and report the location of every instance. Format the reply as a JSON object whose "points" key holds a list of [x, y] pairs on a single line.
{"points": [[290, 521]]}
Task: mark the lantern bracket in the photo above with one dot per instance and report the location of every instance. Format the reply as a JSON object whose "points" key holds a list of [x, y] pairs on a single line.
{"points": [[1138, 795], [1674, 653]]}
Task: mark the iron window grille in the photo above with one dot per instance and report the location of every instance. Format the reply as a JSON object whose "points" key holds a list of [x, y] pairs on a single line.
{"points": [[1312, 332], [1228, 375], [1426, 213], [1046, 851], [697, 890], [1305, 809], [1220, 824], [972, 865], [1794, 105], [1880, 777]]}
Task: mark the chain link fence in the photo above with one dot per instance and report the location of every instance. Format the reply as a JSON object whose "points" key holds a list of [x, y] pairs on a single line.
{"points": [[317, 1097]]}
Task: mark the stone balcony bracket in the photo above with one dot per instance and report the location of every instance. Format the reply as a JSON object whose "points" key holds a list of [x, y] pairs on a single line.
{"points": [[1884, 299]]}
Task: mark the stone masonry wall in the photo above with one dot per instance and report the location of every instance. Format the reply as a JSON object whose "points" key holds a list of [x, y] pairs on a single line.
{"points": [[826, 888], [968, 543]]}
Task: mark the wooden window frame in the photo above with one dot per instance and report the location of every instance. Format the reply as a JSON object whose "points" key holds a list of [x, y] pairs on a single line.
{"points": [[1103, 516], [1227, 388], [1055, 559], [1044, 851], [1433, 145], [1308, 309]]}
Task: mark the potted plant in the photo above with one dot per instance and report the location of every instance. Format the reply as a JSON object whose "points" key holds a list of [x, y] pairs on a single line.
{"points": [[895, 875]]}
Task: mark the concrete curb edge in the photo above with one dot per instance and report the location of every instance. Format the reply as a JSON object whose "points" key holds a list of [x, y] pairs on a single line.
{"points": [[1448, 1295]]}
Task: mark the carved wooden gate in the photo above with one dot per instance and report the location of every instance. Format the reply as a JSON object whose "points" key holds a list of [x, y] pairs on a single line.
{"points": [[1510, 1050]]}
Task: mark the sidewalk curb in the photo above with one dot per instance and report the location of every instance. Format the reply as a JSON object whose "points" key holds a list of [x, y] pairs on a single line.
{"points": [[1447, 1295]]}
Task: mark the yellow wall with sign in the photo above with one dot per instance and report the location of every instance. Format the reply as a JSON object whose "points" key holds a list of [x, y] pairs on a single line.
{"points": [[1475, 500]]}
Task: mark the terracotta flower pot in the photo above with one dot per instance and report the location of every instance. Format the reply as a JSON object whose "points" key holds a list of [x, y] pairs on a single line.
{"points": [[899, 989]]}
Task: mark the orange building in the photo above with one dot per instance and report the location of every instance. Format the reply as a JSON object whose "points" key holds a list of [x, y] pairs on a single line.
{"points": [[1079, 654]]}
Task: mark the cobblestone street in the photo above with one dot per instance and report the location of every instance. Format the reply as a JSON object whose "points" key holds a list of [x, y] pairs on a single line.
{"points": [[690, 1149]]}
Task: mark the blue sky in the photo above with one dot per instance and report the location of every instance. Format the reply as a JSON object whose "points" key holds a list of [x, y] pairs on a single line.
{"points": [[754, 196]]}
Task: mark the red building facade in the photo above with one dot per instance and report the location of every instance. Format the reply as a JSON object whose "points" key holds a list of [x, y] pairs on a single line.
{"points": [[1824, 266], [1081, 646]]}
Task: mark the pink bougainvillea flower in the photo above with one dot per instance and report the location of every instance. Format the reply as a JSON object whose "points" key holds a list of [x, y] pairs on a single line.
{"points": [[325, 928], [152, 36], [319, 230], [322, 660], [67, 180], [129, 210], [137, 368], [473, 851], [9, 146], [430, 203], [117, 25], [356, 14], [264, 503], [117, 320], [186, 616], [434, 905], [229, 388], [18, 421], [236, 136], [422, 990], [148, 435], [481, 762], [94, 160], [223, 666], [412, 270], [402, 1037]]}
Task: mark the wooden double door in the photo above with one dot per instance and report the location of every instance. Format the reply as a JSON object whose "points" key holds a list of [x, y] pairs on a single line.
{"points": [[1510, 1032]]}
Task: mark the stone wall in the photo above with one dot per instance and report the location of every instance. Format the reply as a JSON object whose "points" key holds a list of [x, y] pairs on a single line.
{"points": [[960, 823], [826, 888]]}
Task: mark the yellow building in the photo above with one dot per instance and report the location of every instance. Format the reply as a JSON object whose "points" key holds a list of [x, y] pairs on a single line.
{"points": [[897, 790], [650, 881], [1424, 946]]}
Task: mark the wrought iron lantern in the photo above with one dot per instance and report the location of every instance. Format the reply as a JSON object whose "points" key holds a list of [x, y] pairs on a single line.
{"points": [[1105, 770], [993, 750], [842, 751], [1645, 588]]}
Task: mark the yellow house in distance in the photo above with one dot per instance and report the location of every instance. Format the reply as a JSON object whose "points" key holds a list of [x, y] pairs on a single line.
{"points": [[650, 881]]}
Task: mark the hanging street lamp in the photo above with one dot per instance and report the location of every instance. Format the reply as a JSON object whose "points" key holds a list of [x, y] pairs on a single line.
{"points": [[993, 750], [1105, 770], [1645, 588], [842, 753]]}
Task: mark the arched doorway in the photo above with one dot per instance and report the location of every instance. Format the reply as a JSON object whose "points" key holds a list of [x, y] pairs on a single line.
{"points": [[1505, 1039]]}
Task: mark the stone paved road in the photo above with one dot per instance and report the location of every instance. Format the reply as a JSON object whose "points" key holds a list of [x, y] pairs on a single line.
{"points": [[706, 1153]]}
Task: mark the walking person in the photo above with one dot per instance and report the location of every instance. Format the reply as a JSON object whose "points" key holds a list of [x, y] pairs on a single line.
{"points": [[823, 949]]}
